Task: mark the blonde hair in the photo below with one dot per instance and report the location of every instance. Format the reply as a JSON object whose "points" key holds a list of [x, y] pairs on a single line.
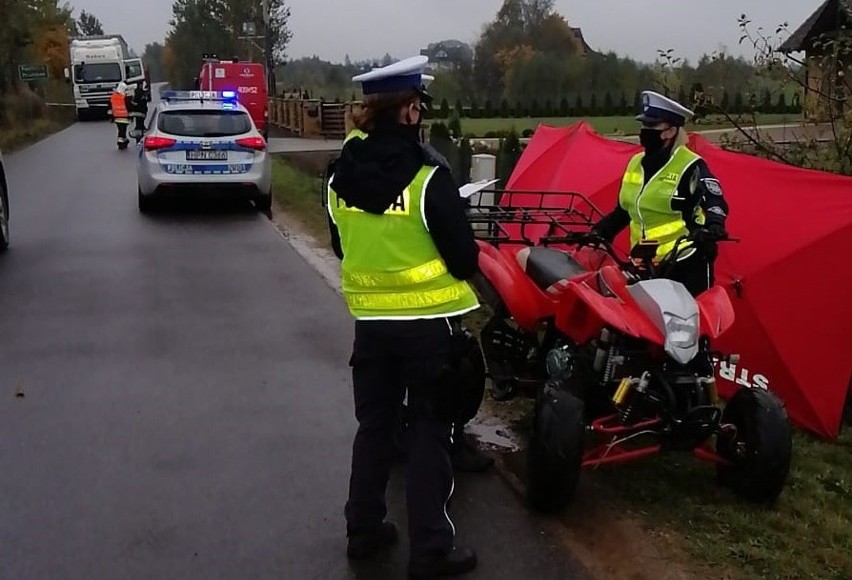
{"points": [[681, 139], [381, 108]]}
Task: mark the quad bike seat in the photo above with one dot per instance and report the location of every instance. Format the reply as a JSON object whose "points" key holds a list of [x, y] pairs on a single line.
{"points": [[547, 266]]}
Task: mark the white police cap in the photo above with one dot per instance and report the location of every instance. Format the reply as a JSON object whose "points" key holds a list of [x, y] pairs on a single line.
{"points": [[399, 76], [657, 108]]}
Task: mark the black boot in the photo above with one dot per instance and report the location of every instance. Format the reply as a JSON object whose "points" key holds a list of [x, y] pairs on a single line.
{"points": [[466, 458], [365, 544], [459, 561]]}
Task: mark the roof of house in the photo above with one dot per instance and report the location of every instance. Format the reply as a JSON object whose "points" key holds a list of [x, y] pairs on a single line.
{"points": [[830, 16], [453, 49], [578, 35]]}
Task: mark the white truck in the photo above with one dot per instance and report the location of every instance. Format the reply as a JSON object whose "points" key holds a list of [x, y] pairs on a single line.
{"points": [[98, 64]]}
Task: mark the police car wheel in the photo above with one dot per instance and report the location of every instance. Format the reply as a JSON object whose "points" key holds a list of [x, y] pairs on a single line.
{"points": [[147, 203], [4, 221], [264, 204]]}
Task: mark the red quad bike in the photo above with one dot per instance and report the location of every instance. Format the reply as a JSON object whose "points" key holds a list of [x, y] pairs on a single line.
{"points": [[617, 357]]}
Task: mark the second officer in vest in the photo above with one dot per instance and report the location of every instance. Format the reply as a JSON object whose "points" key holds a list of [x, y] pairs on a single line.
{"points": [[668, 191], [407, 250]]}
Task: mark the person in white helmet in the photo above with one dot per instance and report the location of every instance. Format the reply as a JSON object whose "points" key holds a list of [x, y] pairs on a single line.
{"points": [[119, 112]]}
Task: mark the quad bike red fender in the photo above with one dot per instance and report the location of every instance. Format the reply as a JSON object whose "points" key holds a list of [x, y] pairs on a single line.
{"points": [[525, 303], [717, 312], [583, 311]]}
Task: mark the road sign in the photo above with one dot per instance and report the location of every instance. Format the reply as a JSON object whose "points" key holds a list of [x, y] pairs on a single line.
{"points": [[32, 72]]}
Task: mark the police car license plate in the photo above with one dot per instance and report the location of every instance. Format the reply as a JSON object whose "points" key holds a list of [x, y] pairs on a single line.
{"points": [[206, 155]]}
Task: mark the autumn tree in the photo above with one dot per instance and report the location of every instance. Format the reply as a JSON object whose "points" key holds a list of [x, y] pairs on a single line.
{"points": [[32, 29], [780, 72], [154, 58], [201, 27]]}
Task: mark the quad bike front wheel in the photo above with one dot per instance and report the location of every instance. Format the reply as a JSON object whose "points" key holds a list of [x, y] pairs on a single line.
{"points": [[555, 454], [759, 446]]}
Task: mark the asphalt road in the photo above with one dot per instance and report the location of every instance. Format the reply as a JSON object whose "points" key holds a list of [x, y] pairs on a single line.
{"points": [[175, 398]]}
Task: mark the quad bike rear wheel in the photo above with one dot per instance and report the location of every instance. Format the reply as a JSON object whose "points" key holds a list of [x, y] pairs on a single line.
{"points": [[555, 454], [759, 448]]}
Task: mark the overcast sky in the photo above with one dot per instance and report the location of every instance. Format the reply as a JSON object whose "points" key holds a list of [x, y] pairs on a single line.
{"points": [[629, 27]]}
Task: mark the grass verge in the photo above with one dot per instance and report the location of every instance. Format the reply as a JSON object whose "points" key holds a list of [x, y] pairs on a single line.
{"points": [[808, 534], [298, 194], [17, 137], [625, 125]]}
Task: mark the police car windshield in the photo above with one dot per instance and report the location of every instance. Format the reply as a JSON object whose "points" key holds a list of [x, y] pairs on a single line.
{"points": [[204, 123]]}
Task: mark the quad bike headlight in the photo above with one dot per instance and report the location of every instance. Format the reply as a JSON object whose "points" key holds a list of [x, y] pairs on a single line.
{"points": [[681, 337]]}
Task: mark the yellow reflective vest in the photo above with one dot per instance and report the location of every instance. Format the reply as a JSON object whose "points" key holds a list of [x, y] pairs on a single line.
{"points": [[391, 269], [650, 205]]}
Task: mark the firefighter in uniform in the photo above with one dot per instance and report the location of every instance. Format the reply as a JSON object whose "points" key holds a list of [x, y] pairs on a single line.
{"points": [[119, 111], [667, 192], [138, 107], [399, 226]]}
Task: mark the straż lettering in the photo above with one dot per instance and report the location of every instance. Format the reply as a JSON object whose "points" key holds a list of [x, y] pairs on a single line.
{"points": [[741, 376]]}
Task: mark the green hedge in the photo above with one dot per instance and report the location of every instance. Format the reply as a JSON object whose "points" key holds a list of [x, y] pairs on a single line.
{"points": [[602, 105]]}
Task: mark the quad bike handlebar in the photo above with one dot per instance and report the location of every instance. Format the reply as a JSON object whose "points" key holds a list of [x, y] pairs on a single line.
{"points": [[642, 263]]}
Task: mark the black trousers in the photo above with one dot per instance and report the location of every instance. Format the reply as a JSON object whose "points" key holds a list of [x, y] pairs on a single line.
{"points": [[388, 359], [139, 123], [122, 129], [694, 272]]}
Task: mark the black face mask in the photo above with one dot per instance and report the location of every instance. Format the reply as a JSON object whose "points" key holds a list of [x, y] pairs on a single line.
{"points": [[651, 139], [410, 131]]}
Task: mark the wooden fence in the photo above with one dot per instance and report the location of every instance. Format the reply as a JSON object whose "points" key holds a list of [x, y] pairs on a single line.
{"points": [[310, 118]]}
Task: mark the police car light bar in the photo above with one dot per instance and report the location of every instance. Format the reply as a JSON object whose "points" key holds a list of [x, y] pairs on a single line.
{"points": [[224, 96]]}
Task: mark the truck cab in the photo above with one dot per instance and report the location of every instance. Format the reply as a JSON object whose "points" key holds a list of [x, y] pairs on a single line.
{"points": [[98, 64]]}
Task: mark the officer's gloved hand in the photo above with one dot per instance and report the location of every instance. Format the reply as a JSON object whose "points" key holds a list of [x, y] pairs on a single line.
{"points": [[711, 232], [706, 238]]}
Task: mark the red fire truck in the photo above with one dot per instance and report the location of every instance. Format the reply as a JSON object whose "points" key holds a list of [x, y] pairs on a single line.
{"points": [[248, 79]]}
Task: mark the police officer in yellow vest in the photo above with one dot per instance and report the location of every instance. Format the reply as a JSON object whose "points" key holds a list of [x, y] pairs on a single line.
{"points": [[668, 191], [407, 248]]}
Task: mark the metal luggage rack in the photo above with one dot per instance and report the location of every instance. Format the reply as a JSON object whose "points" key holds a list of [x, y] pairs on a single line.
{"points": [[492, 211]]}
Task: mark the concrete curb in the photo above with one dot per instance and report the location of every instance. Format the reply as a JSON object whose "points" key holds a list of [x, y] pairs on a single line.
{"points": [[320, 259]]}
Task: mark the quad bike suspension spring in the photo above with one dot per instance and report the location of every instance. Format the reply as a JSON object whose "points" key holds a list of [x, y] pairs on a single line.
{"points": [[627, 414], [610, 366], [640, 386]]}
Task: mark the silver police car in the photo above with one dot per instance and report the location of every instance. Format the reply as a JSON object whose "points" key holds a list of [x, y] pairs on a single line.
{"points": [[204, 142]]}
